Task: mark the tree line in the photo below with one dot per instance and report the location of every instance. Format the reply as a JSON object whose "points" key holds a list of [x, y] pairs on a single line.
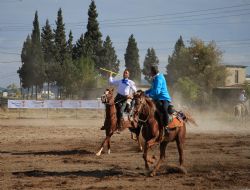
{"points": [[49, 57]]}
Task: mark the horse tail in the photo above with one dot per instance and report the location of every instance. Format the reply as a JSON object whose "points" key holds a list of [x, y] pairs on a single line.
{"points": [[190, 119]]}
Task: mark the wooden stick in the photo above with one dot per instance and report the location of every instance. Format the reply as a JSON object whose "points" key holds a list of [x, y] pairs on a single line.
{"points": [[108, 71]]}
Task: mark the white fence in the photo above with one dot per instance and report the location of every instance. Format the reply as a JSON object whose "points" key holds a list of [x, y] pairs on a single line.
{"points": [[65, 104]]}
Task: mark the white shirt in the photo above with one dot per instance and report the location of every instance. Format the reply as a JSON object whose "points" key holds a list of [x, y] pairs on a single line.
{"points": [[123, 89], [242, 98]]}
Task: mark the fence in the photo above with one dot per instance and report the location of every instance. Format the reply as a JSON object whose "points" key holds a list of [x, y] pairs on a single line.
{"points": [[47, 108]]}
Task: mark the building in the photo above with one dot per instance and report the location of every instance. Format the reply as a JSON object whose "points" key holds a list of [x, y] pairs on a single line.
{"points": [[236, 75], [234, 83]]}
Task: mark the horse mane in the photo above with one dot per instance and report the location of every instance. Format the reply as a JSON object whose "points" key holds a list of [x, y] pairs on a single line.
{"points": [[151, 105]]}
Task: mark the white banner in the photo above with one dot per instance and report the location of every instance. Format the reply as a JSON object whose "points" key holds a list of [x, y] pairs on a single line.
{"points": [[69, 104]]}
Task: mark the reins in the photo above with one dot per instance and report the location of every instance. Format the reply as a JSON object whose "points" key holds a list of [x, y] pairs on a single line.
{"points": [[144, 121]]}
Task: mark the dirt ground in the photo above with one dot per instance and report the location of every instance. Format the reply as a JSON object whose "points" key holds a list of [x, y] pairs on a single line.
{"points": [[55, 151]]}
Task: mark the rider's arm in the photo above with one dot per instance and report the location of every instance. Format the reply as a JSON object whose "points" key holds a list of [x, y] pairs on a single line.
{"points": [[156, 89], [133, 87], [113, 82]]}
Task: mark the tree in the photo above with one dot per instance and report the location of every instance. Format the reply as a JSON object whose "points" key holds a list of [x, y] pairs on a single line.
{"points": [[48, 47], [78, 48], [208, 71], [37, 56], [13, 88], [70, 44], [132, 59], [150, 60], [109, 59], [92, 37], [26, 71], [82, 48], [61, 55], [201, 64], [188, 89], [86, 75], [60, 39], [174, 63]]}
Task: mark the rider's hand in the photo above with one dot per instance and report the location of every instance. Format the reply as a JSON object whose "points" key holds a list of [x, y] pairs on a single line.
{"points": [[129, 97]]}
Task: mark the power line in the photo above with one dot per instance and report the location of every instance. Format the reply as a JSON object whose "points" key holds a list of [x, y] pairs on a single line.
{"points": [[10, 62], [121, 21], [1, 52]]}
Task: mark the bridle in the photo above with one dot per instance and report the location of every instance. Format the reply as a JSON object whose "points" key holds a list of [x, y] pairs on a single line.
{"points": [[141, 105], [106, 98]]}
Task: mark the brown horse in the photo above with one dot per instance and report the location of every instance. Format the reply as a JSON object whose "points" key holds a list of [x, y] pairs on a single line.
{"points": [[110, 123], [144, 108]]}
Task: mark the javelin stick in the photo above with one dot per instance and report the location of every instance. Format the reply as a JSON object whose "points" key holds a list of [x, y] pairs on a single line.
{"points": [[109, 71]]}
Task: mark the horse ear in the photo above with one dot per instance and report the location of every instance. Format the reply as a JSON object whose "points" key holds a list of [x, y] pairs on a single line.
{"points": [[140, 92]]}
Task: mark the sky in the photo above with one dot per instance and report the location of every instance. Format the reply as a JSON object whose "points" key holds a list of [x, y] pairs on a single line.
{"points": [[155, 24]]}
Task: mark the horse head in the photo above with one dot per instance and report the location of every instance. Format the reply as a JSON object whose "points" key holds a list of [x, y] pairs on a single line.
{"points": [[139, 101], [108, 97]]}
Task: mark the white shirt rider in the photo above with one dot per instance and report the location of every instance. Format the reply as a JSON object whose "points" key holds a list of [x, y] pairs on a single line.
{"points": [[242, 97], [125, 85]]}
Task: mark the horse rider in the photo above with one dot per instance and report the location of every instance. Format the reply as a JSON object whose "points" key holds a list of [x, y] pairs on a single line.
{"points": [[125, 89], [159, 93], [243, 99]]}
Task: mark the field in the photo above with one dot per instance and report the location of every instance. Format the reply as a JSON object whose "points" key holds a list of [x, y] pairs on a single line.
{"points": [[56, 150]]}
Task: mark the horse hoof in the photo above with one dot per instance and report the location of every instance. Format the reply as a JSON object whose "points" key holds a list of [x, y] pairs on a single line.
{"points": [[183, 170], [109, 151], [98, 154], [152, 174]]}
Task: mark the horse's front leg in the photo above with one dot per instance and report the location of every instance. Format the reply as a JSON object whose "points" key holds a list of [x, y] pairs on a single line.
{"points": [[145, 156], [109, 148], [106, 140], [139, 142], [163, 146], [102, 146]]}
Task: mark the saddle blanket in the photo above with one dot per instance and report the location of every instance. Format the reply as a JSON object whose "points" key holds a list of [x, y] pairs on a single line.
{"points": [[175, 122]]}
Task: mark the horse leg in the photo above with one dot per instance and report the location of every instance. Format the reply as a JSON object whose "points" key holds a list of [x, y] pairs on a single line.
{"points": [[106, 140], [152, 142], [180, 143], [139, 142], [102, 146], [145, 156], [163, 146], [108, 143], [181, 157]]}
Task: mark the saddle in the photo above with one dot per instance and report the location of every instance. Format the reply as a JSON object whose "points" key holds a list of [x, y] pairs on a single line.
{"points": [[176, 120]]}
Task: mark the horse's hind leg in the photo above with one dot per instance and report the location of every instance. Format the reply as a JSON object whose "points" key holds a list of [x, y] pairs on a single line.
{"points": [[163, 146], [179, 143]]}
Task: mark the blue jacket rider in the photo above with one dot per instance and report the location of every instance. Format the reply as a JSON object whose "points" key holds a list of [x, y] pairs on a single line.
{"points": [[159, 93]]}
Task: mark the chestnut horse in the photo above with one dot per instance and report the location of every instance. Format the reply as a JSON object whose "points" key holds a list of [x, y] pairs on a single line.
{"points": [[110, 123], [152, 131]]}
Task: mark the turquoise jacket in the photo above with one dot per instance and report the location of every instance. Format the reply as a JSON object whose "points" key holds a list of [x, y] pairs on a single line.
{"points": [[158, 90]]}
